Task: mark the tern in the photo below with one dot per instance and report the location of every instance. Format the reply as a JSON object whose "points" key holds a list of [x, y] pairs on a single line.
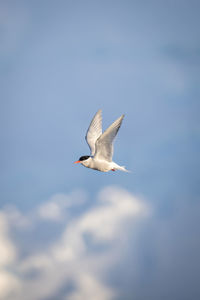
{"points": [[101, 145]]}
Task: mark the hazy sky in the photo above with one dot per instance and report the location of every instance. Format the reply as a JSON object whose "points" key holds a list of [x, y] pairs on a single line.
{"points": [[67, 232]]}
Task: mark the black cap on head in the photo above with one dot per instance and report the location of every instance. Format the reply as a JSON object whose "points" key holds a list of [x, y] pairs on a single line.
{"points": [[84, 157]]}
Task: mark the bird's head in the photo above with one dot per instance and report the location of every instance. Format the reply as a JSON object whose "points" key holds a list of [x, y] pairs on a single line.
{"points": [[82, 159]]}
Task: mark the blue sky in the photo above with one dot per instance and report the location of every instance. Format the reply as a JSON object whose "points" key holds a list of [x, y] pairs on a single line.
{"points": [[60, 62]]}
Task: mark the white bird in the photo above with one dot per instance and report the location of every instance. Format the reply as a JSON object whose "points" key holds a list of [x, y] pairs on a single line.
{"points": [[101, 145]]}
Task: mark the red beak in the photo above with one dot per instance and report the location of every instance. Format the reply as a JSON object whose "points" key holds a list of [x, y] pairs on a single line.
{"points": [[76, 162]]}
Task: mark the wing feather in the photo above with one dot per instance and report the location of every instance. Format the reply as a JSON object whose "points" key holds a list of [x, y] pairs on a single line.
{"points": [[94, 131], [104, 144]]}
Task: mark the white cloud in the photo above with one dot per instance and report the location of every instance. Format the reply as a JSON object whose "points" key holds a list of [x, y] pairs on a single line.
{"points": [[9, 283], [56, 208], [15, 218], [74, 258], [114, 236], [104, 222], [90, 288], [50, 210], [7, 249]]}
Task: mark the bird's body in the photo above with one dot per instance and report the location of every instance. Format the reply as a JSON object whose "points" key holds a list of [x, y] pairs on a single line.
{"points": [[101, 165], [101, 145]]}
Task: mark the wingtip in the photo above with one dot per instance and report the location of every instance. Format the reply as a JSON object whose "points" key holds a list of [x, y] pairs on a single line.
{"points": [[122, 117], [99, 111]]}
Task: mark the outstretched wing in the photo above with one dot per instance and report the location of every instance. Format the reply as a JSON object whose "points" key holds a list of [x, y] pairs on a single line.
{"points": [[94, 131], [104, 144]]}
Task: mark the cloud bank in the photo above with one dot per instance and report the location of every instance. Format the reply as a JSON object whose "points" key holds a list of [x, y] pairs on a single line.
{"points": [[114, 246], [76, 259]]}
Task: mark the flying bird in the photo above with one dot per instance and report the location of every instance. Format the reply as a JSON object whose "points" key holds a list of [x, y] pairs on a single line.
{"points": [[101, 145]]}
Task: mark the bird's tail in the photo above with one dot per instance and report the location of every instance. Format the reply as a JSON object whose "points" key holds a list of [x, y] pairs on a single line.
{"points": [[122, 168]]}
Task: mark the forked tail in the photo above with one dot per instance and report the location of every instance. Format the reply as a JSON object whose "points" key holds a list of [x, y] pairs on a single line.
{"points": [[117, 167], [122, 168]]}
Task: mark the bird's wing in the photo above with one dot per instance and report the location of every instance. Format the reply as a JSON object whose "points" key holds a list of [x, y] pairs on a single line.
{"points": [[104, 144], [94, 131]]}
